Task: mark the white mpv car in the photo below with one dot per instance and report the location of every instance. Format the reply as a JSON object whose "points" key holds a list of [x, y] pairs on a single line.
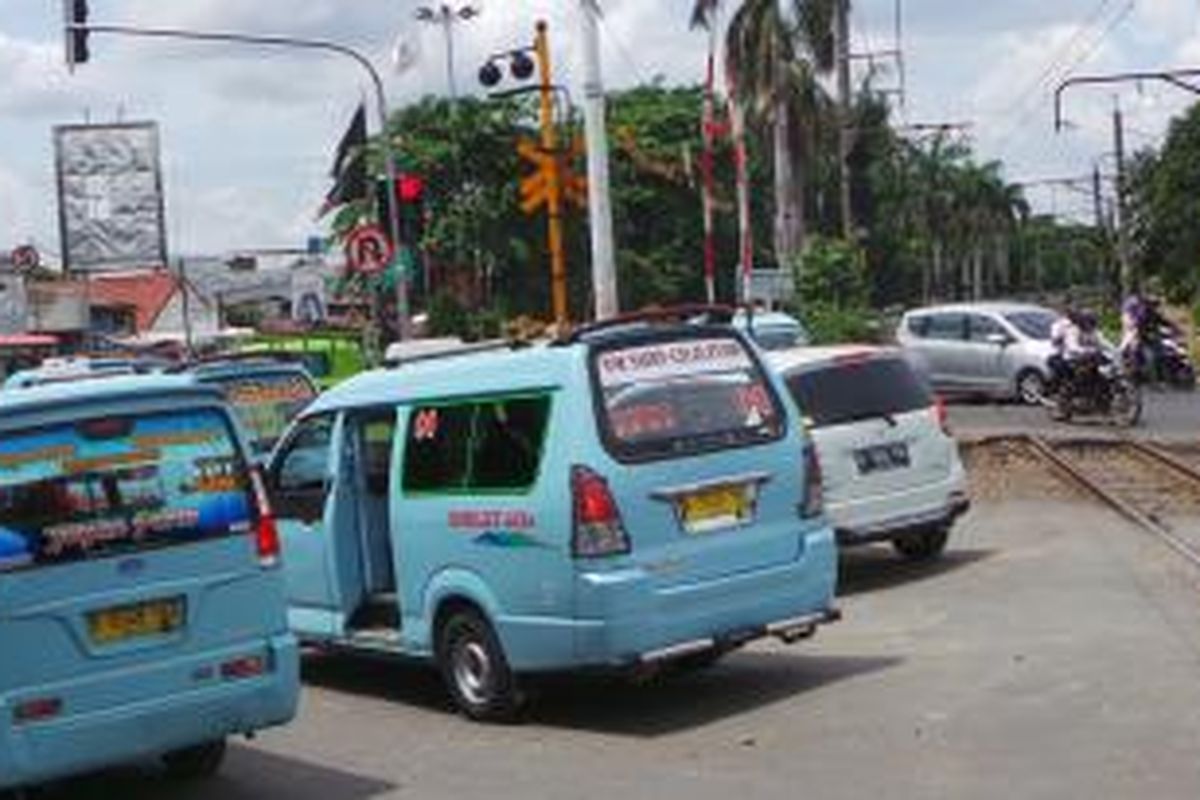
{"points": [[891, 469]]}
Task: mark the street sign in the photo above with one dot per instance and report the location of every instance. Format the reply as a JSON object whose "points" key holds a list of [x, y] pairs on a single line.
{"points": [[368, 250], [25, 258]]}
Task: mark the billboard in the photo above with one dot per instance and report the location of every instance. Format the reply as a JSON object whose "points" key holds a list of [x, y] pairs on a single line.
{"points": [[110, 201]]}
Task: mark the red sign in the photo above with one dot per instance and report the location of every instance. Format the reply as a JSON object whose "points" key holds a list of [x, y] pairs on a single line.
{"points": [[25, 258], [368, 250]]}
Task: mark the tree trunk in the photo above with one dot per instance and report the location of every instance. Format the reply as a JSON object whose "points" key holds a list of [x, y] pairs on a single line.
{"points": [[789, 217], [977, 271], [936, 288], [1003, 264]]}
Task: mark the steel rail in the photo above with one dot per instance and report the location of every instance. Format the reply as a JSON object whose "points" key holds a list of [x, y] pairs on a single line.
{"points": [[1065, 465]]}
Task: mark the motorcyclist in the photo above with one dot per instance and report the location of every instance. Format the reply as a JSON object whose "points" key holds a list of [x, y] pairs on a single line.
{"points": [[1133, 312], [1063, 328], [1075, 337]]}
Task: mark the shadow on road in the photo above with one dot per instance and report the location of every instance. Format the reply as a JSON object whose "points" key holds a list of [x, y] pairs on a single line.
{"points": [[878, 568], [248, 774], [742, 682]]}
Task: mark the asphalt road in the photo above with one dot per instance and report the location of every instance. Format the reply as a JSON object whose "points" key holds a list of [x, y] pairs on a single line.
{"points": [[1052, 654], [1171, 416]]}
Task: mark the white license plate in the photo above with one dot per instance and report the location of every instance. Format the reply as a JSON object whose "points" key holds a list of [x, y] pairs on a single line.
{"points": [[882, 458]]}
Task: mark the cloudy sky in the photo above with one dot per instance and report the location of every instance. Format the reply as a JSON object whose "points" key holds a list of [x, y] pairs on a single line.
{"points": [[247, 134]]}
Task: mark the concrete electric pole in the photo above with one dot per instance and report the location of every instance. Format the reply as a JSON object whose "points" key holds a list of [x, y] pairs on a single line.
{"points": [[1124, 257], [845, 123], [604, 269]]}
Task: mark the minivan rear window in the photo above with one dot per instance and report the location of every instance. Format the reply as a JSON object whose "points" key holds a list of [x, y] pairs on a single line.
{"points": [[266, 403], [852, 391], [110, 486], [679, 397]]}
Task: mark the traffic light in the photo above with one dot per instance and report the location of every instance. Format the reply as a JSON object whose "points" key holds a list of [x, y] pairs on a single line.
{"points": [[76, 16]]}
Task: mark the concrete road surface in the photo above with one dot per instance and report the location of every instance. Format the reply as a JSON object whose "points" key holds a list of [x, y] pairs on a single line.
{"points": [[1170, 416], [1054, 653]]}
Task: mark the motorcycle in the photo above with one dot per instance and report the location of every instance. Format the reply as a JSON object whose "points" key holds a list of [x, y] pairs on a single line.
{"points": [[1094, 385], [1164, 359]]}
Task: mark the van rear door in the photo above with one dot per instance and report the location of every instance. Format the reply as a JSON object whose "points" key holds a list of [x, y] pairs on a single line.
{"points": [[127, 541], [708, 484], [875, 425]]}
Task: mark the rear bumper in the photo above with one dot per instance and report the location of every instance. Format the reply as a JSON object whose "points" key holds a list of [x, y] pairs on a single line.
{"points": [[626, 617], [213, 709], [899, 514]]}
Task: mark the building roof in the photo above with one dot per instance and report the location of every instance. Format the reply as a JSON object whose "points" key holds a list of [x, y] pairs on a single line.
{"points": [[147, 293]]}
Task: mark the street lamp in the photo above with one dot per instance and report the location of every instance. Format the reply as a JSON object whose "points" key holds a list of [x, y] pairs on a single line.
{"points": [[446, 15]]}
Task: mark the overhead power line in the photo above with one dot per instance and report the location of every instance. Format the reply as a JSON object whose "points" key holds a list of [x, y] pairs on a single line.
{"points": [[1027, 103]]}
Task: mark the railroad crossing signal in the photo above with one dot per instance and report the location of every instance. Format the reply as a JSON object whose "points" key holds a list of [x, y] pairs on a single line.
{"points": [[538, 188]]}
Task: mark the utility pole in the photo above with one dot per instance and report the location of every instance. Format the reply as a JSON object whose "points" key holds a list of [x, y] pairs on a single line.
{"points": [[604, 268], [708, 133], [1097, 202], [1123, 254], [845, 131]]}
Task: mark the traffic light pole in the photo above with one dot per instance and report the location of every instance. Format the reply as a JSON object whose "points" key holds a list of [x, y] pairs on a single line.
{"points": [[393, 210], [554, 189]]}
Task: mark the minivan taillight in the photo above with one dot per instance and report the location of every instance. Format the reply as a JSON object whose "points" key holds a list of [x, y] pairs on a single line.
{"points": [[941, 415], [814, 488], [266, 532], [598, 530]]}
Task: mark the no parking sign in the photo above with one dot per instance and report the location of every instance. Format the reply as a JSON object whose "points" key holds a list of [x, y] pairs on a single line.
{"points": [[368, 250]]}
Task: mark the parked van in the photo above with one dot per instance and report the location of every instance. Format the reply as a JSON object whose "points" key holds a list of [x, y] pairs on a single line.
{"points": [[633, 495], [329, 356], [265, 392], [141, 600]]}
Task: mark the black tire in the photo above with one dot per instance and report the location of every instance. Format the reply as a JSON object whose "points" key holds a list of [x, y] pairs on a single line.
{"points": [[1031, 387], [195, 763], [924, 546], [1061, 406], [475, 670], [1128, 404]]}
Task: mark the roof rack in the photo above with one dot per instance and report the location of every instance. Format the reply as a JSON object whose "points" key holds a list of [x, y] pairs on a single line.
{"points": [[455, 352], [281, 356], [688, 312]]}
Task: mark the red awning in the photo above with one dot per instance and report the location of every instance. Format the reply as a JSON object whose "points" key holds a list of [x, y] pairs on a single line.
{"points": [[28, 340]]}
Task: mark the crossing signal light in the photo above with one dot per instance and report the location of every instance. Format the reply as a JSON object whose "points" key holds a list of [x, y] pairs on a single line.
{"points": [[77, 32]]}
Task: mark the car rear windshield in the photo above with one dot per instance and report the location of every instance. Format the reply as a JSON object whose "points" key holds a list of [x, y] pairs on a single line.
{"points": [[265, 404], [111, 486], [1034, 324], [855, 390], [679, 397]]}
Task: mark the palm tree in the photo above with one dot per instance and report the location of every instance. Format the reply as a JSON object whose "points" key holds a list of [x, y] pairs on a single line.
{"points": [[773, 58]]}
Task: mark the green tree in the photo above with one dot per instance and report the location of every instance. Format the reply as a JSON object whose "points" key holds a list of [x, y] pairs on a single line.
{"points": [[1165, 201]]}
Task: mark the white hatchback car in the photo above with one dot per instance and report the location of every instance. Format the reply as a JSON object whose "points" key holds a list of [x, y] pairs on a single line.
{"points": [[891, 468]]}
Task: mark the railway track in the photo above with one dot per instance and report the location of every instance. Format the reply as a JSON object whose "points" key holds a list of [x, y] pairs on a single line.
{"points": [[1155, 489]]}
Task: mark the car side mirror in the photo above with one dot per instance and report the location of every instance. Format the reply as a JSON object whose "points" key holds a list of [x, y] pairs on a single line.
{"points": [[1000, 339]]}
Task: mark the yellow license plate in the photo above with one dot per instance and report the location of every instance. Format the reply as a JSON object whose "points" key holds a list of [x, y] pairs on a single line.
{"points": [[715, 508], [153, 618]]}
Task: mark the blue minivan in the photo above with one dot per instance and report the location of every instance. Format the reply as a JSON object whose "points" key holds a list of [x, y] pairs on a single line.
{"points": [[141, 600], [632, 495]]}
